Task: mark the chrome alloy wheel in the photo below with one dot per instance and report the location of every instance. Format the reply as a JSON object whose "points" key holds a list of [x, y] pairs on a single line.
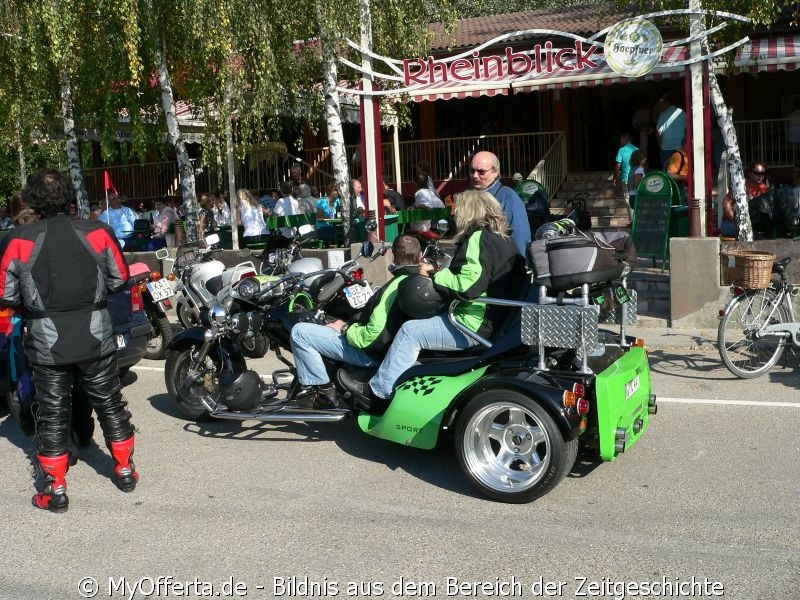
{"points": [[506, 447]]}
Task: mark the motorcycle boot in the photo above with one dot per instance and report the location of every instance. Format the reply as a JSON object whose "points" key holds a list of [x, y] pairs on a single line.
{"points": [[124, 469], [361, 391], [318, 397], [54, 495]]}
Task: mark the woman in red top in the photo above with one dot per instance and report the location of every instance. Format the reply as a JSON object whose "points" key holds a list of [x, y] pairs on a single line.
{"points": [[755, 185]]}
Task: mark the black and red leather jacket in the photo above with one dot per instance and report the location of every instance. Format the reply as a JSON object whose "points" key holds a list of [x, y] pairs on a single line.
{"points": [[60, 270]]}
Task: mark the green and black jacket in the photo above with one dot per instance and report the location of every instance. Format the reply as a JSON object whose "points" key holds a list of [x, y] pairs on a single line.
{"points": [[484, 264], [381, 317]]}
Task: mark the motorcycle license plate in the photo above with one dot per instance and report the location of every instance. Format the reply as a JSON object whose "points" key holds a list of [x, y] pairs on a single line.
{"points": [[121, 342], [357, 295], [160, 290]]}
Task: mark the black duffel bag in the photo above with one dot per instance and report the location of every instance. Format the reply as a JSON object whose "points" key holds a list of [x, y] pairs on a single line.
{"points": [[576, 260]]}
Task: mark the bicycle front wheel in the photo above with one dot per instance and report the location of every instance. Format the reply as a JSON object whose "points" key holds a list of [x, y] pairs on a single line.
{"points": [[744, 347]]}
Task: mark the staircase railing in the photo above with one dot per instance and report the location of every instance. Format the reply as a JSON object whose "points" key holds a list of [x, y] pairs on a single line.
{"points": [[551, 170]]}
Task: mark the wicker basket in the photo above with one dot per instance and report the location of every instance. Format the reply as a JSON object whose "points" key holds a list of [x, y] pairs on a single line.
{"points": [[749, 269]]}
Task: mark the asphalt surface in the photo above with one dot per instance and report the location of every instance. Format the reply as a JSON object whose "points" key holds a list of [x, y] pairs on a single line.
{"points": [[230, 509]]}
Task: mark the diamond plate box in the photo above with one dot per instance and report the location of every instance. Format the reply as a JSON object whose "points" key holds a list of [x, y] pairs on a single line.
{"points": [[560, 326]]}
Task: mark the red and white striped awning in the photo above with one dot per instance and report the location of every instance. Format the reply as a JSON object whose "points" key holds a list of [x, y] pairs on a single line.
{"points": [[756, 55], [768, 54]]}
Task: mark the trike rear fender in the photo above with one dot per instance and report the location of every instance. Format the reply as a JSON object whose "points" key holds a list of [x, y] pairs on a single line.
{"points": [[423, 404], [623, 403], [414, 417]]}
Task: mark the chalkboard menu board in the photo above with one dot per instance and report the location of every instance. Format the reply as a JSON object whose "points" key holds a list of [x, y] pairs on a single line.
{"points": [[651, 225]]}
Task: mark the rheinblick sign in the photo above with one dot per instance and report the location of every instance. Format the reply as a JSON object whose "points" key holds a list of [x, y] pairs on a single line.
{"points": [[544, 58]]}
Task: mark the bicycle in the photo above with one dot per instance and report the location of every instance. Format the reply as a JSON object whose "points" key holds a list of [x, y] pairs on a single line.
{"points": [[757, 325]]}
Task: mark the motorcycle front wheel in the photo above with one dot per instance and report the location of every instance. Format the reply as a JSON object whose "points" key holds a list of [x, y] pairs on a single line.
{"points": [[187, 399], [160, 337], [186, 316]]}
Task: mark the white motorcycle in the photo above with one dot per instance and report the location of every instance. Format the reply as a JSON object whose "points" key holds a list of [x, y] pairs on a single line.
{"points": [[204, 281]]}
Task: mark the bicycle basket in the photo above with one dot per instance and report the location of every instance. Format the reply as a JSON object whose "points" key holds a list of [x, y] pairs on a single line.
{"points": [[749, 269]]}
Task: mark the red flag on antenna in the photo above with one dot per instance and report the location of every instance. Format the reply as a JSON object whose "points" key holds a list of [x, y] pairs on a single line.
{"points": [[108, 184]]}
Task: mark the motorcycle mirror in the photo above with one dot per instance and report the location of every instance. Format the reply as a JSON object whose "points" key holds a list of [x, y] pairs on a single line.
{"points": [[212, 239], [370, 225], [162, 253], [442, 225], [367, 248]]}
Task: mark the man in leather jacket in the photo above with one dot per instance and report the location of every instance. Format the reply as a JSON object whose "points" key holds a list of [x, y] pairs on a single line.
{"points": [[362, 343], [59, 270]]}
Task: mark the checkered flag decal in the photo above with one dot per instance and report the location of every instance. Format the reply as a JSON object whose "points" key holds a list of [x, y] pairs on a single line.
{"points": [[421, 386]]}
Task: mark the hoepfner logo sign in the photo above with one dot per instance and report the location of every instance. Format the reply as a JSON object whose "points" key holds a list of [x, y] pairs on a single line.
{"points": [[633, 47]]}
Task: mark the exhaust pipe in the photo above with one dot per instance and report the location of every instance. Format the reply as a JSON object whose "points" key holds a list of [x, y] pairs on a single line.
{"points": [[652, 406], [285, 414]]}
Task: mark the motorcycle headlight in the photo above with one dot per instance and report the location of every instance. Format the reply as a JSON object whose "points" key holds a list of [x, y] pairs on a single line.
{"points": [[248, 288], [240, 322], [256, 320], [218, 314]]}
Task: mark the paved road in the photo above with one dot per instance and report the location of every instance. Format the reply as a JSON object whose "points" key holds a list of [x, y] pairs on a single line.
{"points": [[711, 493]]}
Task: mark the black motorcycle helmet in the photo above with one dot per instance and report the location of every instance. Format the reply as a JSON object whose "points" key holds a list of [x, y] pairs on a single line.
{"points": [[242, 391], [417, 297]]}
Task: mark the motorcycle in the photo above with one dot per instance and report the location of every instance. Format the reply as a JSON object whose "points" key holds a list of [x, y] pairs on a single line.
{"points": [[518, 404], [200, 277], [156, 294], [263, 304], [204, 280]]}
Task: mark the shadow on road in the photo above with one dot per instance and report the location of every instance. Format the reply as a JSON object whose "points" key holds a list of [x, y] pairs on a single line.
{"points": [[93, 456], [437, 467], [679, 363], [676, 363]]}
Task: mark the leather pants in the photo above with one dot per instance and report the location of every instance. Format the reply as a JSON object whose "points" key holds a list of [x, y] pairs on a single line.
{"points": [[99, 380]]}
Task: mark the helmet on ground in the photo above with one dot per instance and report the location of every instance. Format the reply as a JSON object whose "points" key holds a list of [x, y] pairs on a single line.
{"points": [[242, 391], [417, 297]]}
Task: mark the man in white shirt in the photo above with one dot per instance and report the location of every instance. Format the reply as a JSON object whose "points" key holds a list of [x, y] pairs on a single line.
{"points": [[120, 218], [424, 198], [358, 193], [287, 205]]}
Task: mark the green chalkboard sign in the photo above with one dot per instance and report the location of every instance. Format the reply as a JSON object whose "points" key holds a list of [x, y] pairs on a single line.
{"points": [[654, 198]]}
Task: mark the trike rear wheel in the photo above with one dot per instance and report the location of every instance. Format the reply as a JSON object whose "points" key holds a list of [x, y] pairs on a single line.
{"points": [[510, 448], [744, 348]]}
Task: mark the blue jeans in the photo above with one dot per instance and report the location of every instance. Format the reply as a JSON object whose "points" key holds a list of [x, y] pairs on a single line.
{"points": [[310, 342], [436, 333]]}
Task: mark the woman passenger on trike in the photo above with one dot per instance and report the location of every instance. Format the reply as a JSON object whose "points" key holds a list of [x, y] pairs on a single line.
{"points": [[486, 262]]}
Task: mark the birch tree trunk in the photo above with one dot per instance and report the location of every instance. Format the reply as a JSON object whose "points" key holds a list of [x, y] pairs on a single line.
{"points": [[735, 167], [73, 149], [232, 183], [23, 167], [185, 167], [333, 120]]}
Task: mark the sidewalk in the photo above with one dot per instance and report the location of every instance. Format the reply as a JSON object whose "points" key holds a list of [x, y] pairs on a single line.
{"points": [[660, 338]]}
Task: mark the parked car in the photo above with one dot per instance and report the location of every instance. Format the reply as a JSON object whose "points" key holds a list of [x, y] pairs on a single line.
{"points": [[131, 325], [131, 329]]}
